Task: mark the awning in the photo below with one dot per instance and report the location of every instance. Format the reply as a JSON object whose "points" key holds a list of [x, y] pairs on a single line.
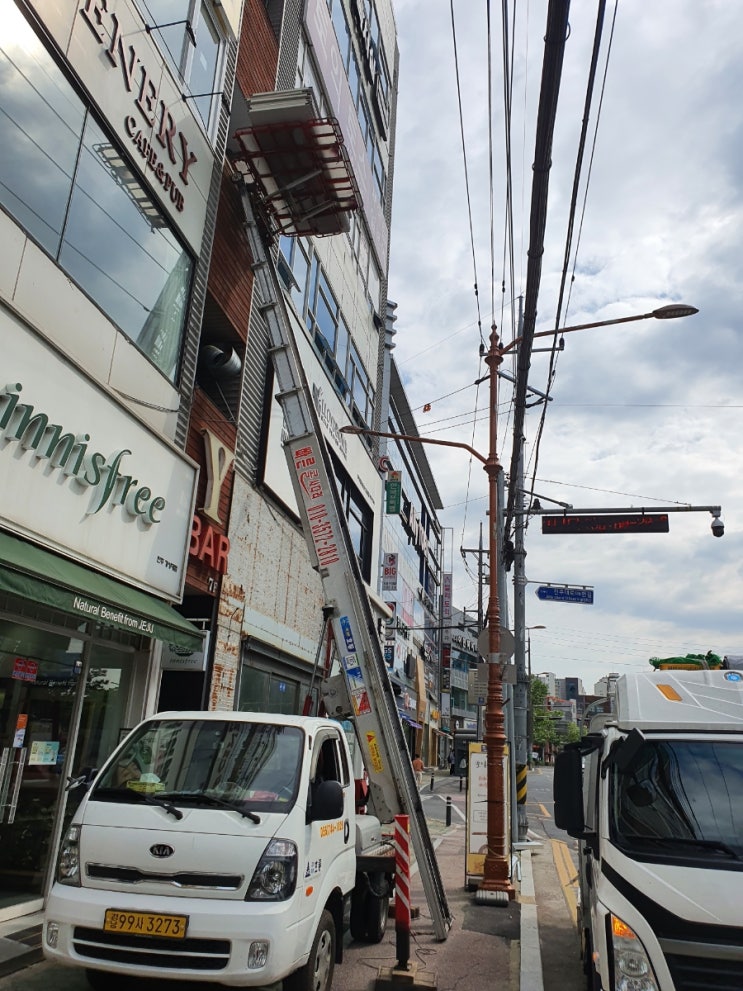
{"points": [[36, 574], [411, 722]]}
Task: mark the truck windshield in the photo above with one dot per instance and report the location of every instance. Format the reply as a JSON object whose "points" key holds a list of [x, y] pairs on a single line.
{"points": [[681, 801], [232, 765]]}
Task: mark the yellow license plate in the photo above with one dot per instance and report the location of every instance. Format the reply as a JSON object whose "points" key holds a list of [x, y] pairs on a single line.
{"points": [[145, 923]]}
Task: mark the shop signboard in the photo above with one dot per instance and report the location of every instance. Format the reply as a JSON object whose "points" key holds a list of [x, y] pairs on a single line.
{"points": [[389, 573], [88, 479]]}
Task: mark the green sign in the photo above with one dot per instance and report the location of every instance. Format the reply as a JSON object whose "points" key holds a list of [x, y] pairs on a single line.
{"points": [[393, 493]]}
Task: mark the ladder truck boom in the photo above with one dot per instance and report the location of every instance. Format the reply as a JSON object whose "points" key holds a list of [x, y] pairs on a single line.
{"points": [[363, 692]]}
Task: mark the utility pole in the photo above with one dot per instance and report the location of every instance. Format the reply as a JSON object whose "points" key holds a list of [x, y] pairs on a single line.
{"points": [[521, 689]]}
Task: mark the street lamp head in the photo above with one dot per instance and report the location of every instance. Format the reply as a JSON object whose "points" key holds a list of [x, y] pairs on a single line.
{"points": [[351, 429], [674, 310]]}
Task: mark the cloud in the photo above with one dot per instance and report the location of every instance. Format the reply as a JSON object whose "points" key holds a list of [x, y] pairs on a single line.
{"points": [[643, 414]]}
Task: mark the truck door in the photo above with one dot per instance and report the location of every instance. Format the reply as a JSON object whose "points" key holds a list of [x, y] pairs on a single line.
{"points": [[589, 857], [331, 844]]}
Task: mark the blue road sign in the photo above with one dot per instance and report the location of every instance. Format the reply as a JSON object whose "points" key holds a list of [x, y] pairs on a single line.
{"points": [[557, 593]]}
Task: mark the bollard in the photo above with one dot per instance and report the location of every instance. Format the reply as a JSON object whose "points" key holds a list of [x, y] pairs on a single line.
{"points": [[461, 779], [431, 781], [448, 810], [402, 891]]}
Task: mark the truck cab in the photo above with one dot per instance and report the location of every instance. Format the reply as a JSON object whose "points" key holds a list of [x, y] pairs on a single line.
{"points": [[211, 846], [657, 810]]}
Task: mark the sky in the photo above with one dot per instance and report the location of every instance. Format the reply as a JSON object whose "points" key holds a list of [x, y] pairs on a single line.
{"points": [[643, 415]]}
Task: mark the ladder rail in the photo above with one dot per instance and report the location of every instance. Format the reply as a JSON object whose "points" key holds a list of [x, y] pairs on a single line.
{"points": [[366, 696]]}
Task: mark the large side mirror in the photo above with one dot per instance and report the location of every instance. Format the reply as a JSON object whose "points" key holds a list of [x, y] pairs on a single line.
{"points": [[567, 790], [327, 801]]}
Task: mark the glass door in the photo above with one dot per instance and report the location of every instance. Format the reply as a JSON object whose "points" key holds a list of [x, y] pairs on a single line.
{"points": [[39, 678]]}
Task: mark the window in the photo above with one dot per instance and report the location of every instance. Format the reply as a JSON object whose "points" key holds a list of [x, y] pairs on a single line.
{"points": [[341, 31], [68, 186], [327, 326], [193, 47], [358, 517], [361, 390], [680, 801], [261, 691]]}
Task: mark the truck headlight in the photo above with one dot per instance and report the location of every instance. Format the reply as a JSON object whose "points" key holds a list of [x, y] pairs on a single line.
{"points": [[68, 862], [632, 968], [275, 877]]}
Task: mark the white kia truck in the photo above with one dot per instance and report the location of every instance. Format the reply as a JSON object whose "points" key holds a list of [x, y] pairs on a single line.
{"points": [[658, 814], [221, 847]]}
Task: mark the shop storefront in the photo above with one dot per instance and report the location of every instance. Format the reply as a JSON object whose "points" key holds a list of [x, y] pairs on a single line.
{"points": [[95, 518]]}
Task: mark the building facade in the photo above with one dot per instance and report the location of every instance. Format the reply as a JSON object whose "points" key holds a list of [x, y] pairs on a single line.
{"points": [[411, 574], [112, 136], [335, 74]]}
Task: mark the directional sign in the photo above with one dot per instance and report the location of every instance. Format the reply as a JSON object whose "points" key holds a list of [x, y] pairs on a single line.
{"points": [[607, 523], [557, 593]]}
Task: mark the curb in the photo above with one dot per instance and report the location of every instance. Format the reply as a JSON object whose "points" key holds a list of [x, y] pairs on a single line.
{"points": [[530, 972]]}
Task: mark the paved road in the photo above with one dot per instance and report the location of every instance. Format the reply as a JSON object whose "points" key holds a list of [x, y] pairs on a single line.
{"points": [[555, 869]]}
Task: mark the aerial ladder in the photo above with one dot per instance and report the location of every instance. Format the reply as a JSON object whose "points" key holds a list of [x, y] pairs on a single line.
{"points": [[363, 692]]}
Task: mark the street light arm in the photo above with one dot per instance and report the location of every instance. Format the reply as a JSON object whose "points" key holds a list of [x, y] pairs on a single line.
{"points": [[599, 510], [670, 312], [351, 429]]}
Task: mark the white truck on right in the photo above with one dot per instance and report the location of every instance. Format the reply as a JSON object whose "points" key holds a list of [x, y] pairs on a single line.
{"points": [[654, 795]]}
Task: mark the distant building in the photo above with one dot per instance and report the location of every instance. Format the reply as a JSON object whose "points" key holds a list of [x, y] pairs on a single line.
{"points": [[549, 679], [606, 687]]}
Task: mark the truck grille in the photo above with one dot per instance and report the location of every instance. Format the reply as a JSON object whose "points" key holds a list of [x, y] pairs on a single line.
{"points": [[705, 973], [183, 879], [150, 951]]}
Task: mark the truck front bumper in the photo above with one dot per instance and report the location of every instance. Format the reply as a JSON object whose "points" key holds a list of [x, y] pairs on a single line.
{"points": [[229, 942]]}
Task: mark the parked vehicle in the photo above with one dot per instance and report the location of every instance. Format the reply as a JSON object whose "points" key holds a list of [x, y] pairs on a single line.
{"points": [[223, 847], [658, 812]]}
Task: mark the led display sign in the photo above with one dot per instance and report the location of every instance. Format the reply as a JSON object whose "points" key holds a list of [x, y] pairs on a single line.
{"points": [[607, 523]]}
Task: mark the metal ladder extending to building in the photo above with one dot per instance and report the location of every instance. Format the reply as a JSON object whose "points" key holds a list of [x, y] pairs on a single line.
{"points": [[363, 693]]}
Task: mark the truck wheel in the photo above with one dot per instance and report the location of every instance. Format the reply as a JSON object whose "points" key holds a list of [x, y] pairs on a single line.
{"points": [[376, 910], [357, 921], [317, 973], [369, 914]]}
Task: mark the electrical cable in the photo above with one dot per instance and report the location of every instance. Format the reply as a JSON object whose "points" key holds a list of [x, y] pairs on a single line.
{"points": [[551, 372], [466, 169]]}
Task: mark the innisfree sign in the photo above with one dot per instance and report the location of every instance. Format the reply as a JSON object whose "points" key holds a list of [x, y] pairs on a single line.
{"points": [[559, 593]]}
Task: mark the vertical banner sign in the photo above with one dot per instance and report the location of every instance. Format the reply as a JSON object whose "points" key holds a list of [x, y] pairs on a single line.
{"points": [[446, 602], [389, 573], [477, 810], [393, 493]]}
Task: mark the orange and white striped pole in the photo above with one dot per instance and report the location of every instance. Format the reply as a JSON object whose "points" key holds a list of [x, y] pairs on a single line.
{"points": [[402, 891]]}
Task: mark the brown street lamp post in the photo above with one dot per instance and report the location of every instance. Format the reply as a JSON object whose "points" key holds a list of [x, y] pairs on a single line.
{"points": [[496, 870]]}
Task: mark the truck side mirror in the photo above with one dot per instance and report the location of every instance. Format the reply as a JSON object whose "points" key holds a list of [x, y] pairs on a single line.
{"points": [[326, 801], [567, 790]]}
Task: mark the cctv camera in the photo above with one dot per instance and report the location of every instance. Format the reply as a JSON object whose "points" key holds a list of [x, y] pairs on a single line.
{"points": [[718, 527]]}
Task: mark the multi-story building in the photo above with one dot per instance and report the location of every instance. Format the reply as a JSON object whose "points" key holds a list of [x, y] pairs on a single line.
{"points": [[465, 659], [606, 687], [411, 576], [550, 680], [112, 134], [334, 81]]}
